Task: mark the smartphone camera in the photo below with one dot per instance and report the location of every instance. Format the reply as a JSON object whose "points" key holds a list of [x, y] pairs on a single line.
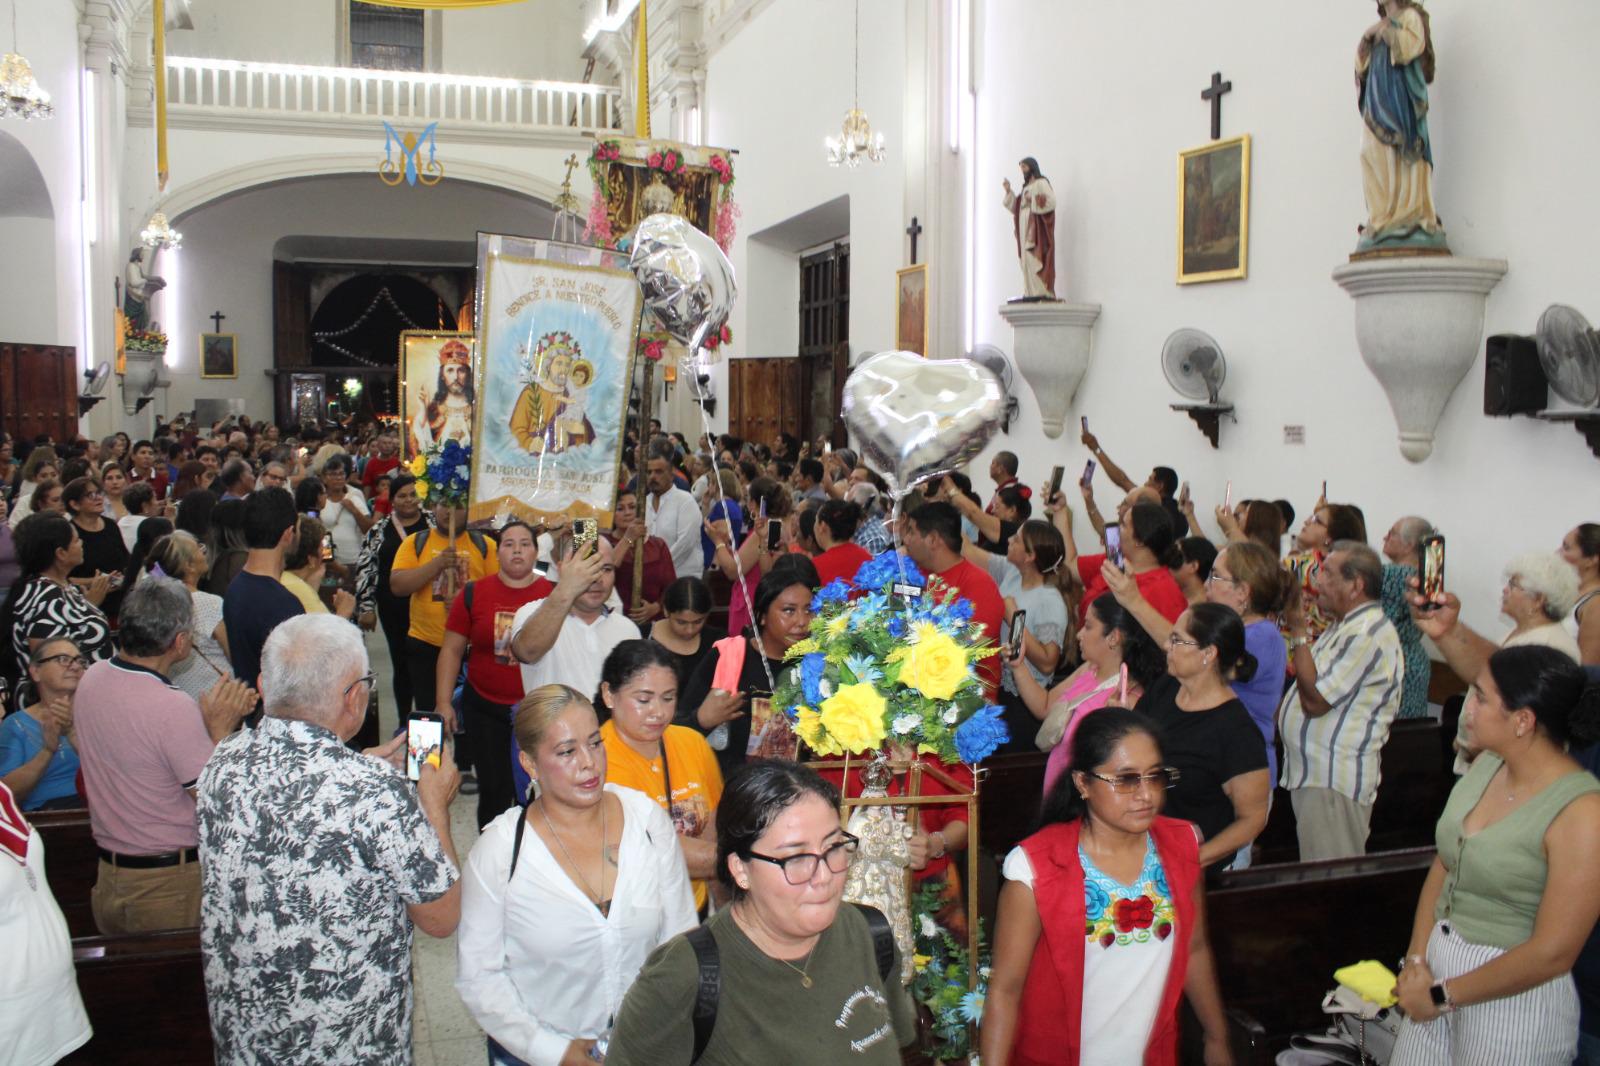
{"points": [[774, 534], [1114, 546], [424, 744]]}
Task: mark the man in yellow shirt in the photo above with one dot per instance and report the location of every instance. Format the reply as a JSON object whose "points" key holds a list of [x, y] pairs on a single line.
{"points": [[432, 572]]}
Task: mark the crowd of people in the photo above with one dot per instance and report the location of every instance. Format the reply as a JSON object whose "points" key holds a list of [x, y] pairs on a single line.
{"points": [[186, 656]]}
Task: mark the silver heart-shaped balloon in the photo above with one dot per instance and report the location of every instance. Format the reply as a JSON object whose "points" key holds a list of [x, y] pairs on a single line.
{"points": [[687, 281], [919, 418]]}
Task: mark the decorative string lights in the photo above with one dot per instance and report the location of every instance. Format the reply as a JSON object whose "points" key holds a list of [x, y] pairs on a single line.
{"points": [[382, 297]]}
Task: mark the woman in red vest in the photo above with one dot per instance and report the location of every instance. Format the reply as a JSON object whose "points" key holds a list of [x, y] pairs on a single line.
{"points": [[1102, 921]]}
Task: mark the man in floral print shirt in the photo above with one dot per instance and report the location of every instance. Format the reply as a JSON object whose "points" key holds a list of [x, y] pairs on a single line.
{"points": [[315, 861]]}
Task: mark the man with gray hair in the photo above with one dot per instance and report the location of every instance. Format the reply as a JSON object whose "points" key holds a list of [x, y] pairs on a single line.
{"points": [[1402, 552], [142, 743], [670, 512], [871, 534], [1336, 717], [317, 860]]}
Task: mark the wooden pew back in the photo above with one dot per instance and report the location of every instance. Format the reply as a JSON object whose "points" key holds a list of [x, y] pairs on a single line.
{"points": [[71, 864], [146, 998]]}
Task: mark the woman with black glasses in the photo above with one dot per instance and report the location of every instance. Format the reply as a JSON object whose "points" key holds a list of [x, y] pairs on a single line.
{"points": [[801, 979], [1207, 733], [1102, 920]]}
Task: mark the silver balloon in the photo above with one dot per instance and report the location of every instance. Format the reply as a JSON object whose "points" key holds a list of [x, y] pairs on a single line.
{"points": [[918, 419], [687, 281]]}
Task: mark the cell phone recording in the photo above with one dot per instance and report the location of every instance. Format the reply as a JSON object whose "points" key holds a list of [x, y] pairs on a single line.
{"points": [[424, 744]]}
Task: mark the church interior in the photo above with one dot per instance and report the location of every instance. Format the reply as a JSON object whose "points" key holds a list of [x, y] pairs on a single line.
{"points": [[1187, 240]]}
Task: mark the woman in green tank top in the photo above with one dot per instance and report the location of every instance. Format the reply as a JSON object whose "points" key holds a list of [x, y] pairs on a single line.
{"points": [[1510, 899]]}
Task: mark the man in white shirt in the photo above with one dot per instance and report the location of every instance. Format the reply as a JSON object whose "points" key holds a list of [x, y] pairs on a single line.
{"points": [[671, 513], [565, 637]]}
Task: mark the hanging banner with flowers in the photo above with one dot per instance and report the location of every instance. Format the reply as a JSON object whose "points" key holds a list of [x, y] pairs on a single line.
{"points": [[878, 668], [557, 334], [637, 177]]}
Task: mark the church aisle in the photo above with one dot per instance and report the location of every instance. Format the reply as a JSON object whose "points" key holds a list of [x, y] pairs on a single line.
{"points": [[443, 1032]]}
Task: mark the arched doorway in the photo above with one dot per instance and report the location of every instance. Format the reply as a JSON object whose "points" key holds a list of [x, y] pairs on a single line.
{"points": [[355, 337]]}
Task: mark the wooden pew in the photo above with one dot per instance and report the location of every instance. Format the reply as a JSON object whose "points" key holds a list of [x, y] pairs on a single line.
{"points": [[71, 864], [1278, 933], [146, 998]]}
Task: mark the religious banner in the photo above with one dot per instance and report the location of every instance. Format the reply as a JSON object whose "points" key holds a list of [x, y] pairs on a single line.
{"points": [[635, 177], [557, 329], [437, 388]]}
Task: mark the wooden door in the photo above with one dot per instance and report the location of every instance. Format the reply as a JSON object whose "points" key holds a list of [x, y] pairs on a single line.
{"points": [[764, 398], [39, 390]]}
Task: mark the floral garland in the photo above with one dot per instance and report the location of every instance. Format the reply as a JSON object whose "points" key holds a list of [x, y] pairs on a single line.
{"points": [[939, 974], [877, 667], [725, 215], [145, 340], [443, 473], [669, 161], [653, 346]]}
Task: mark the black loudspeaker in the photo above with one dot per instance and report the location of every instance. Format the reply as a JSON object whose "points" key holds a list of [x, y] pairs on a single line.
{"points": [[1513, 380]]}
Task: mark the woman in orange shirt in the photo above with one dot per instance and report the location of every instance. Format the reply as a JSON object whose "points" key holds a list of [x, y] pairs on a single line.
{"points": [[672, 764]]}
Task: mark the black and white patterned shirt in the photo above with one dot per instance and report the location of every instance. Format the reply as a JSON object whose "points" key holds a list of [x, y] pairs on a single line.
{"points": [[46, 610], [309, 854]]}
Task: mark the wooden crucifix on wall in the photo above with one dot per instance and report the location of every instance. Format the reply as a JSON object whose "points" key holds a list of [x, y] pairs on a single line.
{"points": [[1214, 94]]}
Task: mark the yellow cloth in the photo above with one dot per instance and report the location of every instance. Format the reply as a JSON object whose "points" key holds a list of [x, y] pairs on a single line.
{"points": [[696, 779], [427, 613], [303, 592], [1372, 981]]}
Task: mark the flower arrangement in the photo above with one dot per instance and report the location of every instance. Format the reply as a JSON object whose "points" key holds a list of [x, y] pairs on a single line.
{"points": [[877, 668], [668, 161], [145, 340], [653, 346], [443, 473], [718, 339], [724, 168], [939, 978], [725, 214]]}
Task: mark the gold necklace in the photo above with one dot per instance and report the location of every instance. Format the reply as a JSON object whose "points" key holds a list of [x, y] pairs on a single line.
{"points": [[599, 902], [805, 978]]}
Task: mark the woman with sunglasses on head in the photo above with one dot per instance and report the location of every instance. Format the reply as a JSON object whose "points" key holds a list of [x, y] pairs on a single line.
{"points": [[563, 900], [1108, 872], [37, 760], [800, 975], [1207, 733]]}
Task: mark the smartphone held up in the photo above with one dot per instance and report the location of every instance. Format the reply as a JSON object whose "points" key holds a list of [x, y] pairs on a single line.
{"points": [[1432, 578], [424, 744]]}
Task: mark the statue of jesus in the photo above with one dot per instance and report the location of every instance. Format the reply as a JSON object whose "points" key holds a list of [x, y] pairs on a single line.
{"points": [[1394, 66], [1033, 221]]}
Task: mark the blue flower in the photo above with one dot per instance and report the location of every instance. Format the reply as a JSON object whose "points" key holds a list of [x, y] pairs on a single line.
{"points": [[980, 735], [880, 573], [1095, 900], [811, 667], [464, 472], [897, 626], [836, 591], [1158, 877], [971, 1009], [864, 669], [961, 610]]}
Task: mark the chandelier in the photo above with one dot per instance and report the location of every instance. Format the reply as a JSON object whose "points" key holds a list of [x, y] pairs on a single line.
{"points": [[20, 95], [158, 234], [856, 139]]}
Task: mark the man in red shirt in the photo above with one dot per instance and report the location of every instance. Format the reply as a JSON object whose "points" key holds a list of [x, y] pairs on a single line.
{"points": [[144, 468], [933, 540], [379, 465]]}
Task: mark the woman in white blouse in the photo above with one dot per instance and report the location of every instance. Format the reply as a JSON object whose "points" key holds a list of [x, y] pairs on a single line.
{"points": [[563, 901]]}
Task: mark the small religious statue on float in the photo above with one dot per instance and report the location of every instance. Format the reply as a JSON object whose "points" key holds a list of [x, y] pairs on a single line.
{"points": [[1394, 67], [1033, 221], [138, 288], [878, 875]]}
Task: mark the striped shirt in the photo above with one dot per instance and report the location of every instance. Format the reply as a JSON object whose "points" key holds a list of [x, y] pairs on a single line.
{"points": [[1360, 671]]}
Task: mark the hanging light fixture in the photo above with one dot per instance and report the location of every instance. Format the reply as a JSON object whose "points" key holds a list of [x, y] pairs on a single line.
{"points": [[158, 234], [856, 139], [20, 95]]}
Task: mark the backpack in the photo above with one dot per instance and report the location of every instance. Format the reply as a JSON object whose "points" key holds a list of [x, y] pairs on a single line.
{"points": [[477, 538], [710, 986]]}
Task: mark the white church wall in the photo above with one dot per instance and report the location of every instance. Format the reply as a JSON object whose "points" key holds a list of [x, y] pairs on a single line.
{"points": [[1511, 182], [29, 296], [226, 261], [773, 92]]}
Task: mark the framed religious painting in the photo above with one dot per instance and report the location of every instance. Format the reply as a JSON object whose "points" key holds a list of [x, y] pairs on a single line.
{"points": [[1214, 211], [911, 309], [438, 388], [219, 355]]}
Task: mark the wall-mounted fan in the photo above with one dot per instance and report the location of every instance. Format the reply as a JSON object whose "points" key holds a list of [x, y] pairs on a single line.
{"points": [[994, 360], [1569, 352], [1195, 366], [94, 383]]}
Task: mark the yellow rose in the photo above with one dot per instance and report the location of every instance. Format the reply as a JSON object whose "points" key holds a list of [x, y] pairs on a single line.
{"points": [[422, 490], [935, 666], [808, 727], [853, 717], [418, 465], [920, 962]]}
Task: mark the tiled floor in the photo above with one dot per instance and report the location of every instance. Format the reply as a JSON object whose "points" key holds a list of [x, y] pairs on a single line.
{"points": [[444, 1033]]}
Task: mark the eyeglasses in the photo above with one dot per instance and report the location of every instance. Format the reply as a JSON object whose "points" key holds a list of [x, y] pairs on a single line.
{"points": [[367, 678], [1214, 576], [66, 660], [800, 869], [1173, 640], [1126, 784]]}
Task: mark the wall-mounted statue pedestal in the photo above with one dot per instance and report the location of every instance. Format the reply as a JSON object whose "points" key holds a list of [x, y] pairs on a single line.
{"points": [[1054, 342], [1419, 323]]}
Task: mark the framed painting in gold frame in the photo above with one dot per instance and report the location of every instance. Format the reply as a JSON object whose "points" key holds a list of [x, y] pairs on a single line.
{"points": [[1214, 211], [219, 355], [438, 387], [911, 309]]}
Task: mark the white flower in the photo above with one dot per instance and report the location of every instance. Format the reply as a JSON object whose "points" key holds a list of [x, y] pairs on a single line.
{"points": [[905, 723], [951, 713], [825, 687], [929, 930]]}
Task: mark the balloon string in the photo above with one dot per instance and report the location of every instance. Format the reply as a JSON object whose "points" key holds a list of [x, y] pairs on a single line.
{"points": [[733, 549], [894, 531]]}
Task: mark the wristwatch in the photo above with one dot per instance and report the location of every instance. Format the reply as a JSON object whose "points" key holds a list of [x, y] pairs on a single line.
{"points": [[1298, 642], [1441, 998]]}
